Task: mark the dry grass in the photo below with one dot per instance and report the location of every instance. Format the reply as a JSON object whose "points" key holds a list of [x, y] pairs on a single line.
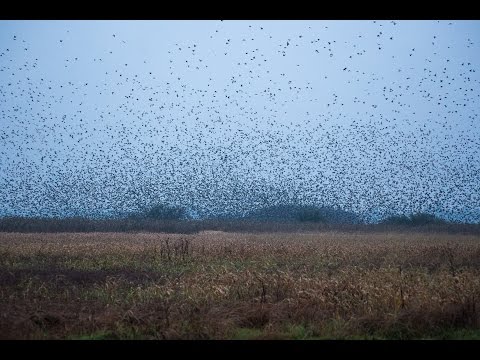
{"points": [[216, 285]]}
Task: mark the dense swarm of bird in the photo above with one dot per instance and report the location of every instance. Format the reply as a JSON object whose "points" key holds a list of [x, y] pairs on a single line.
{"points": [[374, 138]]}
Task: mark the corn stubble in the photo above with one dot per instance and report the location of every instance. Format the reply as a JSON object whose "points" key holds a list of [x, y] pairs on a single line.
{"points": [[216, 285]]}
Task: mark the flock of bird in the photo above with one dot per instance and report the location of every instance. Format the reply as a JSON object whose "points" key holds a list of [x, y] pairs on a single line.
{"points": [[244, 119]]}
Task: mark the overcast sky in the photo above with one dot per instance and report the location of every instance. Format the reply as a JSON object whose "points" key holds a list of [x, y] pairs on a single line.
{"points": [[100, 117]]}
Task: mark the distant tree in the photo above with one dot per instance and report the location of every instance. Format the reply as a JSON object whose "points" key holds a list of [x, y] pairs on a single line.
{"points": [[311, 214], [304, 213], [413, 219], [424, 219], [397, 220], [162, 212]]}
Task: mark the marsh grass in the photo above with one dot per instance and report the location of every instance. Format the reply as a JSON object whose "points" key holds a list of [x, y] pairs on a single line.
{"points": [[217, 285]]}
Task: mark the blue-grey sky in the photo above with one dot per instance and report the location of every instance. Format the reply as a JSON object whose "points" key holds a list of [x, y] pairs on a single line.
{"points": [[378, 117]]}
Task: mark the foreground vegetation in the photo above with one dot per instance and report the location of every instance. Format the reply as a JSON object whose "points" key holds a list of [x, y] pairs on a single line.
{"points": [[218, 285]]}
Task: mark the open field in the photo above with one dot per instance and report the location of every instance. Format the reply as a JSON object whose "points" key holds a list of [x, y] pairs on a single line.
{"points": [[219, 285]]}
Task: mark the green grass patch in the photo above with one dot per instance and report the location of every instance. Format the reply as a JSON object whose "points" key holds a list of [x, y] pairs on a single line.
{"points": [[247, 334], [458, 334], [99, 335]]}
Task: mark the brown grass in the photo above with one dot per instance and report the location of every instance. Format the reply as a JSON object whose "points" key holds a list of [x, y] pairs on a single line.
{"points": [[217, 285]]}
